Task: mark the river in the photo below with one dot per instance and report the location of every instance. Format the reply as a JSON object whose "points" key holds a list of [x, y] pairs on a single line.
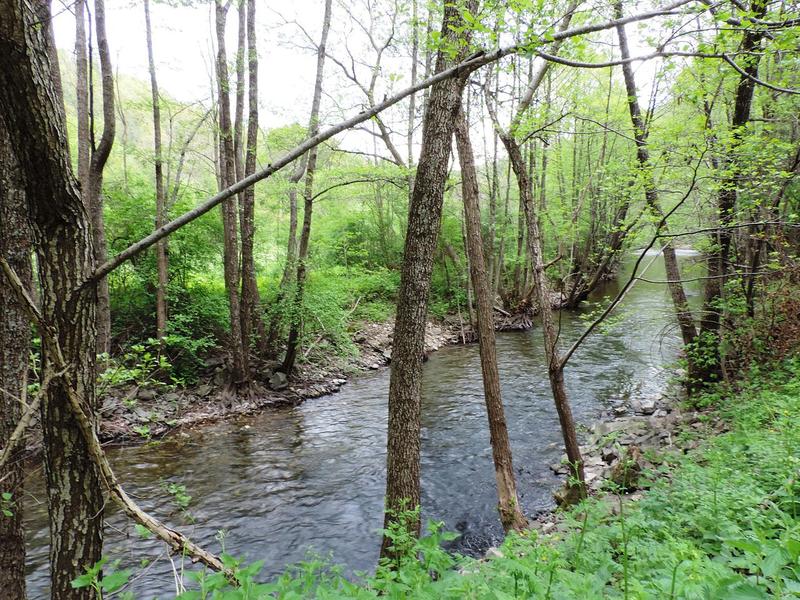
{"points": [[311, 478]]}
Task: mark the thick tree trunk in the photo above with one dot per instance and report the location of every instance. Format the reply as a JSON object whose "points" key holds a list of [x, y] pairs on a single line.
{"points": [[240, 374], [296, 324], [33, 114], [640, 134], [510, 512], [15, 339], [424, 221], [161, 199], [251, 303]]}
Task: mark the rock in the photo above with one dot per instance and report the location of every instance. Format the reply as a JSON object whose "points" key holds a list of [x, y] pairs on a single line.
{"points": [[204, 390], [567, 495], [493, 553], [644, 406], [278, 381], [627, 471], [387, 354], [219, 378], [609, 455], [374, 366], [172, 397], [620, 410], [146, 394], [213, 361]]}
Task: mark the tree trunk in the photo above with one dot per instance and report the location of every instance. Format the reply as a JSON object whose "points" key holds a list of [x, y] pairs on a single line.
{"points": [[576, 486], [296, 323], [15, 339], [640, 134], [161, 200], [99, 158], [251, 303], [718, 259], [240, 374], [510, 513], [33, 114], [424, 221]]}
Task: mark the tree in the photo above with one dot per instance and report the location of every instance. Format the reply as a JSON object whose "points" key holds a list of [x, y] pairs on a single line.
{"points": [[575, 487], [251, 303], [424, 220], [719, 267], [34, 118], [640, 134], [293, 343], [510, 512], [15, 338], [240, 374], [162, 264]]}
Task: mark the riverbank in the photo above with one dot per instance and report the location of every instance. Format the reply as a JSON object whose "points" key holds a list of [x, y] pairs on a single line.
{"points": [[716, 515], [134, 413]]}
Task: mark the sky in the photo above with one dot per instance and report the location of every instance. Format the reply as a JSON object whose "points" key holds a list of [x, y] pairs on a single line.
{"points": [[184, 55]]}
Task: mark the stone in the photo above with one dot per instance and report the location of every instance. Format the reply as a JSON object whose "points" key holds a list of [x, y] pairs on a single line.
{"points": [[172, 397], [609, 455], [146, 394], [494, 553], [204, 390], [278, 381], [213, 361]]}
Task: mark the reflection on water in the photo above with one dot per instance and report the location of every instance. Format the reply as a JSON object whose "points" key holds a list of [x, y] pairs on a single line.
{"points": [[312, 477]]}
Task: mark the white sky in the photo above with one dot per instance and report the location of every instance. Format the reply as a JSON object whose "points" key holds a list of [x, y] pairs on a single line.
{"points": [[184, 55]]}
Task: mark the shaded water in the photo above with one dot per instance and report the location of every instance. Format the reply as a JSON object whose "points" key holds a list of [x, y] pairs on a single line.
{"points": [[312, 477]]}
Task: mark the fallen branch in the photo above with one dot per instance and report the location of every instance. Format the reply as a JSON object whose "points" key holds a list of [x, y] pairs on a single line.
{"points": [[174, 539]]}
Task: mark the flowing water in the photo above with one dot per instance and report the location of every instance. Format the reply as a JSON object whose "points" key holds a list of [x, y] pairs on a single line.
{"points": [[311, 478]]}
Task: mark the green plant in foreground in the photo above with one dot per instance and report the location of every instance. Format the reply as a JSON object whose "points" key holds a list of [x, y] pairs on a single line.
{"points": [[7, 504], [108, 581]]}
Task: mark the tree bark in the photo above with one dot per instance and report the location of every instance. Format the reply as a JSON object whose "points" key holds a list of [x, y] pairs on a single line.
{"points": [[424, 221], [240, 374], [15, 338], [162, 264], [251, 303], [296, 323], [510, 512], [33, 114], [100, 155]]}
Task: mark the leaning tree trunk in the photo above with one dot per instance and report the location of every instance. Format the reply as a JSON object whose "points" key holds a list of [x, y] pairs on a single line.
{"points": [[161, 198], [240, 374], [510, 512], [424, 221], [296, 323], [640, 134], [575, 488], [15, 339], [31, 109]]}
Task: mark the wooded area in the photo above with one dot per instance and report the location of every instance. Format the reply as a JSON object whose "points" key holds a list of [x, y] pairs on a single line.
{"points": [[489, 166]]}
